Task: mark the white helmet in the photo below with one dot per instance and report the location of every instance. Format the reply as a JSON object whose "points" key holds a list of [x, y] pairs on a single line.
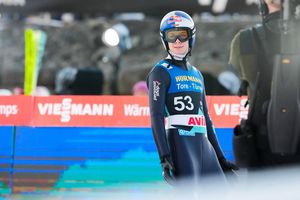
{"points": [[178, 19]]}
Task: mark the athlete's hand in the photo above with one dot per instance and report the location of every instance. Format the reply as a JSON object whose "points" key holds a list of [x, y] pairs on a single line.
{"points": [[229, 169], [227, 166], [168, 169]]}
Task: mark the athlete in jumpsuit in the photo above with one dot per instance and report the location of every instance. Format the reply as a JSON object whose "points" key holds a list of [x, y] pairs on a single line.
{"points": [[182, 129]]}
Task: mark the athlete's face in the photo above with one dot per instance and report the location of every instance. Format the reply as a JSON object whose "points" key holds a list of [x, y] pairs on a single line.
{"points": [[178, 47]]}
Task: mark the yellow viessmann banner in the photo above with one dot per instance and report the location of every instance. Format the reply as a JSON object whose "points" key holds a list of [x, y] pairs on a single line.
{"points": [[35, 41]]}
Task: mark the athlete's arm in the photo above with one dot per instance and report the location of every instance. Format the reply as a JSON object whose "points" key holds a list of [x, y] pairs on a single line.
{"points": [[158, 83]]}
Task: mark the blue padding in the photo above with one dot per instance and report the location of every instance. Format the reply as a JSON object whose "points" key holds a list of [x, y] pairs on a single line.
{"points": [[6, 141], [85, 156], [91, 143], [84, 143], [101, 143], [225, 139]]}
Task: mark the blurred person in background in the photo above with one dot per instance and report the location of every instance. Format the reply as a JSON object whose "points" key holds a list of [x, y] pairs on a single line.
{"points": [[79, 81], [243, 55], [140, 88], [253, 52], [38, 91], [5, 92], [41, 91], [230, 81], [18, 91], [188, 147]]}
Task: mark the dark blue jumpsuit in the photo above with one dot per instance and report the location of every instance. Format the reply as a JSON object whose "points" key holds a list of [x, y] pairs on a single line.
{"points": [[180, 121]]}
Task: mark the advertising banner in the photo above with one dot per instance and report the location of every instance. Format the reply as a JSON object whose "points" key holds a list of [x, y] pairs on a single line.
{"points": [[16, 110], [227, 111], [110, 111], [104, 111]]}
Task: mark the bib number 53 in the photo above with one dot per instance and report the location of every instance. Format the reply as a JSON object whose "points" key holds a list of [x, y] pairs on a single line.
{"points": [[182, 103]]}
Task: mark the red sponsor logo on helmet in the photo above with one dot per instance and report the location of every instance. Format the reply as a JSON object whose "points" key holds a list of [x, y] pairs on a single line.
{"points": [[174, 18]]}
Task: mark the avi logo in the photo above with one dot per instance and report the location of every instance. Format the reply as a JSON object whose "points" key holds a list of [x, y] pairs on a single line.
{"points": [[156, 89], [197, 121]]}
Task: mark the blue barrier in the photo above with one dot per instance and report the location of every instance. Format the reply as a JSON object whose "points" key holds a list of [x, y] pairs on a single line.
{"points": [[55, 158], [6, 158]]}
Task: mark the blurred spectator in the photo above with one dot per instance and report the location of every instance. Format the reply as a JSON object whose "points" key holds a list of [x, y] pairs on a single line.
{"points": [[18, 91], [5, 92], [140, 88], [230, 81], [79, 81], [41, 91], [213, 86]]}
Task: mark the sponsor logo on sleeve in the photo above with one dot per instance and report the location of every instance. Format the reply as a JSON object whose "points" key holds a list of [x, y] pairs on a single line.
{"points": [[156, 89]]}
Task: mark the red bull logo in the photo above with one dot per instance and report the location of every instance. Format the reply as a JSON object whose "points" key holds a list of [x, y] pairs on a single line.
{"points": [[174, 19]]}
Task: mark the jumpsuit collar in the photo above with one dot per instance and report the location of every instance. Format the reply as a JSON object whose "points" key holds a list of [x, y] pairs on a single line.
{"points": [[183, 64]]}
